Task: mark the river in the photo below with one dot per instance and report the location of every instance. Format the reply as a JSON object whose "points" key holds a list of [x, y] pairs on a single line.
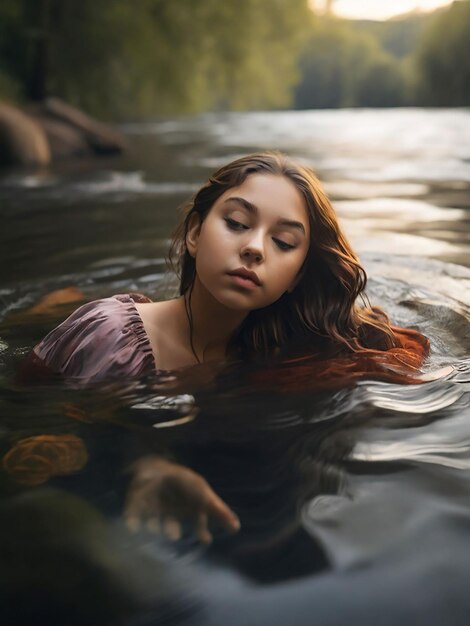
{"points": [[383, 536]]}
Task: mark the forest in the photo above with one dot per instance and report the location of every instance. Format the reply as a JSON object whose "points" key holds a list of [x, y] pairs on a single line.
{"points": [[122, 60]]}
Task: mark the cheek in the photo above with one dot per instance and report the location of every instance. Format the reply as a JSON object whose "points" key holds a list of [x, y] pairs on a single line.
{"points": [[290, 268], [281, 280], [212, 249], [213, 242], [285, 270]]}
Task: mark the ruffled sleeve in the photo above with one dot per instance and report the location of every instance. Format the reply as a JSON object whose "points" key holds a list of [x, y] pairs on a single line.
{"points": [[102, 340]]}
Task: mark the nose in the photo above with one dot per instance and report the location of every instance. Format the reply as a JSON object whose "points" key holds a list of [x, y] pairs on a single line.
{"points": [[249, 254], [252, 251]]}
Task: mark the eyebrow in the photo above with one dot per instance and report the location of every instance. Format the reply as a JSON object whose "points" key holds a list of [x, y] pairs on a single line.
{"points": [[252, 208]]}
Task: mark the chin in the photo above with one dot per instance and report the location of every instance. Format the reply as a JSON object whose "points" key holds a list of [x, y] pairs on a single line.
{"points": [[237, 302], [233, 305]]}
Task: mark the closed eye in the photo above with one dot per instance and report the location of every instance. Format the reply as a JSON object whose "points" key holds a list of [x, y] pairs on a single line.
{"points": [[234, 225], [282, 245]]}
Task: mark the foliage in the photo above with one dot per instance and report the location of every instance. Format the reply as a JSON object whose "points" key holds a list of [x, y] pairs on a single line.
{"points": [[123, 59], [397, 36], [421, 59], [442, 60], [10, 64], [127, 60], [342, 67]]}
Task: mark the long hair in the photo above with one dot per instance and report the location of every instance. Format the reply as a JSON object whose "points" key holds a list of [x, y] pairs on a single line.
{"points": [[322, 311]]}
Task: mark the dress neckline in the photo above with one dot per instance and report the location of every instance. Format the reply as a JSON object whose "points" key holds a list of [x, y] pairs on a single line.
{"points": [[137, 325]]}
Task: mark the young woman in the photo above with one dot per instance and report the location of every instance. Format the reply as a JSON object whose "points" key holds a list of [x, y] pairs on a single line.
{"points": [[265, 272]]}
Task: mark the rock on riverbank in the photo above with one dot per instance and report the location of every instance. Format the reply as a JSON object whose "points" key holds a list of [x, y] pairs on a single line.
{"points": [[52, 130]]}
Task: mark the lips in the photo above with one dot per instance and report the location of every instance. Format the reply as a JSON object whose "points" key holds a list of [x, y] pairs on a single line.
{"points": [[242, 272]]}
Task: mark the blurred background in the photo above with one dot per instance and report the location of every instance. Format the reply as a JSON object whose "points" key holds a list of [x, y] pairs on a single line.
{"points": [[155, 57], [374, 96]]}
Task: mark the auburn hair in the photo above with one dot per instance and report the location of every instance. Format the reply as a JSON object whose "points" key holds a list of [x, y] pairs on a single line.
{"points": [[322, 311]]}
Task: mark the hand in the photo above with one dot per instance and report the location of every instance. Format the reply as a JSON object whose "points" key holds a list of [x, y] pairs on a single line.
{"points": [[163, 494]]}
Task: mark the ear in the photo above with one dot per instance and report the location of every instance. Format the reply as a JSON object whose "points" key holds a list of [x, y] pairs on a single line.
{"points": [[192, 236]]}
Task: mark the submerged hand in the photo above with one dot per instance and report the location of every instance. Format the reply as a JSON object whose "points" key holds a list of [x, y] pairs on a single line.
{"points": [[163, 494]]}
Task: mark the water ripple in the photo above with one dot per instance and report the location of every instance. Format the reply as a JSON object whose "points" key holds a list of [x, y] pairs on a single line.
{"points": [[444, 440]]}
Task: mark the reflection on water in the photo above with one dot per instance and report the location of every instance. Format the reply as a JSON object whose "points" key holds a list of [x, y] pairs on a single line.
{"points": [[356, 499]]}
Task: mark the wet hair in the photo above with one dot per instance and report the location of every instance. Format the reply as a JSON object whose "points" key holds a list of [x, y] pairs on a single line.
{"points": [[322, 311]]}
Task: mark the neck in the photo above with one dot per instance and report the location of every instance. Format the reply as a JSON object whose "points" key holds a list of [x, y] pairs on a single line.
{"points": [[213, 324]]}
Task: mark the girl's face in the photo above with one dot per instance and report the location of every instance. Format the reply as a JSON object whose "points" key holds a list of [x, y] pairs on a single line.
{"points": [[251, 246]]}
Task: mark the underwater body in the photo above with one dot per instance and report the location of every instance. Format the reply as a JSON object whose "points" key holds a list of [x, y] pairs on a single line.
{"points": [[354, 499]]}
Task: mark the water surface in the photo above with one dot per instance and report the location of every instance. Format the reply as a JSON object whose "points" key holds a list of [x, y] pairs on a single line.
{"points": [[354, 501]]}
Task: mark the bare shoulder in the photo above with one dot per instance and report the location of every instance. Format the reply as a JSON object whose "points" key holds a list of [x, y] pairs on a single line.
{"points": [[152, 312], [165, 325]]}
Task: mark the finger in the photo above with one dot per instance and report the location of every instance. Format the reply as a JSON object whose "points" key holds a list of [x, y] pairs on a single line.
{"points": [[133, 514], [217, 508], [172, 529], [132, 523], [202, 530], [139, 508], [153, 525]]}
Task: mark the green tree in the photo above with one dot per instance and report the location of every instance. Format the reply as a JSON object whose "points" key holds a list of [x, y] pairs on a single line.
{"points": [[342, 66], [12, 66], [442, 60], [382, 83], [122, 59]]}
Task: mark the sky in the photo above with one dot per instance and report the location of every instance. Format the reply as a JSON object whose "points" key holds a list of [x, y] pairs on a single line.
{"points": [[380, 9]]}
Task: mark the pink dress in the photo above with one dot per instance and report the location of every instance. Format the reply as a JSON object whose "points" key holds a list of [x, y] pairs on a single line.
{"points": [[101, 341], [105, 340]]}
